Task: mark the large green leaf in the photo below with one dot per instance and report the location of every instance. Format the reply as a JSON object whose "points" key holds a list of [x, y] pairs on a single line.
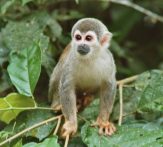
{"points": [[24, 69], [19, 35], [135, 135], [12, 101], [49, 142]]}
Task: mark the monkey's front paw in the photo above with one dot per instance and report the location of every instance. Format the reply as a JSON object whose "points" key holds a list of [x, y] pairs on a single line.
{"points": [[69, 128], [106, 128]]}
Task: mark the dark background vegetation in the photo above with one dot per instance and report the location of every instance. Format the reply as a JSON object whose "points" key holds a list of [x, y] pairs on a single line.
{"points": [[137, 43]]}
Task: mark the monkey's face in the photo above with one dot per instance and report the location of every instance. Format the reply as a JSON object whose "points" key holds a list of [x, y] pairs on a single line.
{"points": [[85, 44]]}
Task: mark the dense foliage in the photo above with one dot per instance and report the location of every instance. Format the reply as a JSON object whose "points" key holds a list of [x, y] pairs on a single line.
{"points": [[33, 34]]}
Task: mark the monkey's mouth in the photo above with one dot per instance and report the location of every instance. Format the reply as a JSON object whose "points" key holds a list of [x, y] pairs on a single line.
{"points": [[83, 49]]}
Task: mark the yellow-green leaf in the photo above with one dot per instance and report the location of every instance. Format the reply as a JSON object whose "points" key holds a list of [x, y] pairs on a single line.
{"points": [[12, 105]]}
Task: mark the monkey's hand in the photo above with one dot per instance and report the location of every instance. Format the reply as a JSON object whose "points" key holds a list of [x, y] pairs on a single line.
{"points": [[105, 127], [69, 128]]}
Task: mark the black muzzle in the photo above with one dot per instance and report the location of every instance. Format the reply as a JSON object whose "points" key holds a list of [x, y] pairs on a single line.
{"points": [[83, 49]]}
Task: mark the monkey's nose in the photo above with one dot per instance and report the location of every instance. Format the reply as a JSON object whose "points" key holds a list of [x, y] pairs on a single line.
{"points": [[83, 49]]}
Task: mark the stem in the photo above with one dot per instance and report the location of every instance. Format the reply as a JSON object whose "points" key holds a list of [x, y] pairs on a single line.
{"points": [[66, 141], [57, 127], [127, 80], [121, 84], [26, 108], [82, 118], [121, 104], [149, 13], [30, 128]]}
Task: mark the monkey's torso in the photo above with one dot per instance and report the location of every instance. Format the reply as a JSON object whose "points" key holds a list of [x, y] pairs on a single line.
{"points": [[87, 75]]}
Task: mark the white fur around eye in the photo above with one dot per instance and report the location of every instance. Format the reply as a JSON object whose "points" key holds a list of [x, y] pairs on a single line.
{"points": [[92, 34], [77, 32]]}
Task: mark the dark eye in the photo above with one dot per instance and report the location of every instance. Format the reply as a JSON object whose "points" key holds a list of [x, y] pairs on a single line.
{"points": [[88, 38], [78, 37]]}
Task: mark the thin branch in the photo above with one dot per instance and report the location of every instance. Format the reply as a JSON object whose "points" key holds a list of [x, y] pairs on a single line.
{"points": [[155, 17], [121, 104], [26, 108], [66, 141], [82, 118], [30, 128], [127, 80], [121, 84], [57, 127]]}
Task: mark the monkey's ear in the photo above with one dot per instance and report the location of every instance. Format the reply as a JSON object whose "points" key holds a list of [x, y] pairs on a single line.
{"points": [[105, 39]]}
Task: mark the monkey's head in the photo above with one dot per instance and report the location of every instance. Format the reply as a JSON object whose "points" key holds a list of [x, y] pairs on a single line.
{"points": [[89, 37]]}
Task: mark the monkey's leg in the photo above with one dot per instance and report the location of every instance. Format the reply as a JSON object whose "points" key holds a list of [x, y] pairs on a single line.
{"points": [[107, 96], [68, 102]]}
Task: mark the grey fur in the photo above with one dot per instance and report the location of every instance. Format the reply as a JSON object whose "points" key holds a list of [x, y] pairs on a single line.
{"points": [[90, 24]]}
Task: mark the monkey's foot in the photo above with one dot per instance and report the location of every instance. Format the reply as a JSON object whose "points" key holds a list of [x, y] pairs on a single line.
{"points": [[105, 128], [69, 128]]}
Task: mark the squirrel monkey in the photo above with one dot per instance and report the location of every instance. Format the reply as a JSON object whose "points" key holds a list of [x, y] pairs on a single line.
{"points": [[86, 66]]}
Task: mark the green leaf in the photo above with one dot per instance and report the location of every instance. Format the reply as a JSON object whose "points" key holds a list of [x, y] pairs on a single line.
{"points": [[76, 142], [4, 135], [91, 112], [135, 135], [152, 96], [24, 69], [29, 118], [45, 20], [6, 6], [49, 142], [131, 98], [20, 35], [18, 144], [12, 101], [142, 96]]}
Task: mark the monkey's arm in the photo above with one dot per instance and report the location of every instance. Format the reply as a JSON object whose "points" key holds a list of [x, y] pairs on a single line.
{"points": [[68, 102], [53, 93]]}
